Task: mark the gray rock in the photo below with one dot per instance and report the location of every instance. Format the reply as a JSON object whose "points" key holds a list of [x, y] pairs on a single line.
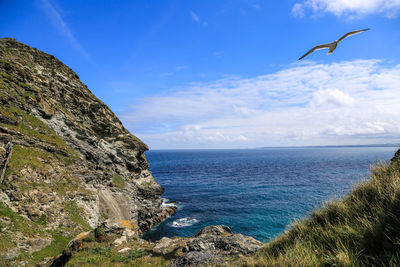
{"points": [[13, 253], [220, 239], [210, 246], [93, 168]]}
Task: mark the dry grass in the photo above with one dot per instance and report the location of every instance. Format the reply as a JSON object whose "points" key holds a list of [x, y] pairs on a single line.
{"points": [[362, 229]]}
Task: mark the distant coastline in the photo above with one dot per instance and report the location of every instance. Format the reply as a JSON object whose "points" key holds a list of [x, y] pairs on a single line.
{"points": [[279, 147], [335, 146]]}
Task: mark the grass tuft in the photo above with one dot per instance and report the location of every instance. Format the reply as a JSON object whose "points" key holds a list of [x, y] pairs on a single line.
{"points": [[130, 256], [118, 181], [362, 229]]}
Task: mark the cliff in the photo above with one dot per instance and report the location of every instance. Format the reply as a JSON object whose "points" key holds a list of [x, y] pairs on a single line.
{"points": [[73, 164]]}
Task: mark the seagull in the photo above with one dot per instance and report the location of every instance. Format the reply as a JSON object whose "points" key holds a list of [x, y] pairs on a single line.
{"points": [[332, 46]]}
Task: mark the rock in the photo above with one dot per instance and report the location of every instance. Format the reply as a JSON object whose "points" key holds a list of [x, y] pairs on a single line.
{"points": [[221, 239], [13, 253], [38, 244], [195, 258], [216, 230], [169, 246], [124, 250], [120, 241], [82, 166], [209, 246]]}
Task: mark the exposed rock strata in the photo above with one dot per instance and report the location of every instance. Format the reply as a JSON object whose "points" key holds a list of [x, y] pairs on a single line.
{"points": [[74, 165], [209, 246], [212, 245]]}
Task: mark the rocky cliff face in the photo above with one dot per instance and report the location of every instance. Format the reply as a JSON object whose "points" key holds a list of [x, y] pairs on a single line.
{"points": [[73, 164]]}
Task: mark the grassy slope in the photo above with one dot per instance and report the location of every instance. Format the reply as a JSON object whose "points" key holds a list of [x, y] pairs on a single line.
{"points": [[17, 96], [362, 229]]}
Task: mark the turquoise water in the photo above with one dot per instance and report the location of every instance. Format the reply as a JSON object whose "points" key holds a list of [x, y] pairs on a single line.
{"points": [[257, 192]]}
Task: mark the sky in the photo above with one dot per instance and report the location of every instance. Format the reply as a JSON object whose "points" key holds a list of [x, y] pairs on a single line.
{"points": [[225, 74]]}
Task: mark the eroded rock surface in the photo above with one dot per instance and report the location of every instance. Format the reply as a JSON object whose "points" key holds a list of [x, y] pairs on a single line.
{"points": [[211, 245], [74, 165]]}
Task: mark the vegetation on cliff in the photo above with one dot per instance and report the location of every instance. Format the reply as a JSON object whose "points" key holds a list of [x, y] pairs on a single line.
{"points": [[362, 229], [73, 164]]}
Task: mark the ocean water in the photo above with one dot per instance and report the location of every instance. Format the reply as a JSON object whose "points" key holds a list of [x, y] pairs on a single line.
{"points": [[256, 192]]}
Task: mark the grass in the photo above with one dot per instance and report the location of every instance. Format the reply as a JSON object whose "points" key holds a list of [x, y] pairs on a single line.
{"points": [[23, 157], [118, 181], [130, 256], [29, 125], [75, 214], [147, 184], [18, 223], [362, 229], [56, 247], [109, 256]]}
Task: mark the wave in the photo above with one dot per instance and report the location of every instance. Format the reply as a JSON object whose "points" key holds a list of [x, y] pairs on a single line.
{"points": [[184, 222], [166, 203]]}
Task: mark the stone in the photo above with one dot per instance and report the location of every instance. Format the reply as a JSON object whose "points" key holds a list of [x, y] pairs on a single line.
{"points": [[124, 250], [84, 168], [120, 241], [167, 246], [209, 246], [13, 253]]}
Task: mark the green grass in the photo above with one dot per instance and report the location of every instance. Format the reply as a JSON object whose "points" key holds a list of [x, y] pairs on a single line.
{"points": [[362, 229], [75, 214], [134, 254], [118, 181], [17, 224], [109, 256], [23, 157], [29, 125], [55, 248], [147, 184], [105, 251]]}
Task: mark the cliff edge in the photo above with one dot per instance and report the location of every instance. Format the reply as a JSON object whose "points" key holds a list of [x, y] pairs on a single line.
{"points": [[73, 164]]}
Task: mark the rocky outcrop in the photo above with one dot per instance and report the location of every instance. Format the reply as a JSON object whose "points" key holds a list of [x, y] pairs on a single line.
{"points": [[74, 165], [211, 245], [396, 158]]}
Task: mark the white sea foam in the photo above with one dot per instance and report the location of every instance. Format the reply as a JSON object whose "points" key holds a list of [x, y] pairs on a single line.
{"points": [[184, 222], [166, 203]]}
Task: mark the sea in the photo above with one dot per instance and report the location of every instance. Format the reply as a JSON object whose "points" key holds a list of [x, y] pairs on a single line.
{"points": [[256, 192]]}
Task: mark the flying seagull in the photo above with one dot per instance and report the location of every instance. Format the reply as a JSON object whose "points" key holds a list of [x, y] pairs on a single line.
{"points": [[332, 46]]}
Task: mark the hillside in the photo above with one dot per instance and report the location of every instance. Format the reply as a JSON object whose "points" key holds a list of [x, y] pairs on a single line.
{"points": [[73, 164]]}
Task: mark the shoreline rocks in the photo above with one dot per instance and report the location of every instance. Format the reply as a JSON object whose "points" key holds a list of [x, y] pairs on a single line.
{"points": [[210, 245]]}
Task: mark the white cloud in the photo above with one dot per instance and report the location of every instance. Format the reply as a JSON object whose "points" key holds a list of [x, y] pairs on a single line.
{"points": [[62, 27], [333, 97], [195, 17], [349, 8], [298, 10], [354, 102]]}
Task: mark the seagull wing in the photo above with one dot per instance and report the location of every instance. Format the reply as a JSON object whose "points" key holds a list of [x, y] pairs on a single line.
{"points": [[351, 33], [315, 48]]}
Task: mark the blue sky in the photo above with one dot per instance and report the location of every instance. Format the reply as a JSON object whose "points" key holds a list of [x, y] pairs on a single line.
{"points": [[224, 74]]}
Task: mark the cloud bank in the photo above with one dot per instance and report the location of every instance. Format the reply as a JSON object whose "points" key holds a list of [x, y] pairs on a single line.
{"points": [[348, 8], [353, 102]]}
